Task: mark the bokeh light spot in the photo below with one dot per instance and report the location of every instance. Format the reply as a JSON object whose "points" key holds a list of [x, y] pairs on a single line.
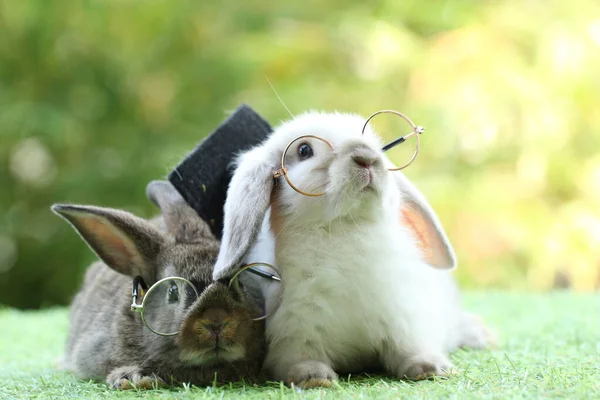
{"points": [[32, 164]]}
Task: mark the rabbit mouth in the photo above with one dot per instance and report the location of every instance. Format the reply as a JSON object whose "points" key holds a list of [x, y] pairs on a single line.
{"points": [[365, 177], [364, 180], [214, 355]]}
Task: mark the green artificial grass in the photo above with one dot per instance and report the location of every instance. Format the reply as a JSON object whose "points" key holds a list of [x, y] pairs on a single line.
{"points": [[549, 348]]}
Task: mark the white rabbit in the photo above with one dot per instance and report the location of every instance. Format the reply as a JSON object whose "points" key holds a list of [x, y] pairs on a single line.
{"points": [[366, 265]]}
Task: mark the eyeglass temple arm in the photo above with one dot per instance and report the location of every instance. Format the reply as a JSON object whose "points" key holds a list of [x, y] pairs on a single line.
{"points": [[418, 129], [138, 280], [264, 274]]}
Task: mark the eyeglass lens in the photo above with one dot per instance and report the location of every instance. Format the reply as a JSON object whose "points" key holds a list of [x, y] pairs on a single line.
{"points": [[165, 305]]}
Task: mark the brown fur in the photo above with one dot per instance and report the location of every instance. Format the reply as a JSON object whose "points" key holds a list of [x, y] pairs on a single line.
{"points": [[108, 341], [277, 220]]}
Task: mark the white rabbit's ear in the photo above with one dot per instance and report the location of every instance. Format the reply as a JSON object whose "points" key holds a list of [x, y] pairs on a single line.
{"points": [[248, 199], [126, 243], [419, 217]]}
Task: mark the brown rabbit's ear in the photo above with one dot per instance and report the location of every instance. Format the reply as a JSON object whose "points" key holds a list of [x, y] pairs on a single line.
{"points": [[126, 243], [181, 220], [419, 217], [248, 199]]}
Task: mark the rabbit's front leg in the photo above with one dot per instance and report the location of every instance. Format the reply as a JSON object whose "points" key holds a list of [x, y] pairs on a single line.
{"points": [[311, 374], [406, 363], [304, 366], [475, 334], [131, 377]]}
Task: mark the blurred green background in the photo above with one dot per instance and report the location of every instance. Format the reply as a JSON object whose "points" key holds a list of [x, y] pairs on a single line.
{"points": [[99, 97]]}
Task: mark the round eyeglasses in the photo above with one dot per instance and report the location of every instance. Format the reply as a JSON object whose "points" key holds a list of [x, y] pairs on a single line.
{"points": [[165, 304], [306, 146]]}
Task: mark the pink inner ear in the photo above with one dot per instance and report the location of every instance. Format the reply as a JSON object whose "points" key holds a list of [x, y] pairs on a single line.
{"points": [[112, 244], [418, 226]]}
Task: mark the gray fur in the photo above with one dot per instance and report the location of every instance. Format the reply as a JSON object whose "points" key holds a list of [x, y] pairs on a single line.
{"points": [[107, 341]]}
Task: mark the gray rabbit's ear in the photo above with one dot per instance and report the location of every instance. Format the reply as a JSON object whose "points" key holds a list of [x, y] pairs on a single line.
{"points": [[126, 243], [181, 220], [418, 216], [162, 193], [248, 199]]}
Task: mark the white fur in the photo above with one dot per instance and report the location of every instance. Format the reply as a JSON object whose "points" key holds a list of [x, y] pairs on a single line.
{"points": [[358, 293]]}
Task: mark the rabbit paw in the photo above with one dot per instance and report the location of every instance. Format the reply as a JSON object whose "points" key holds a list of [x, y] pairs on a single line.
{"points": [[131, 377], [311, 374], [426, 366], [475, 334]]}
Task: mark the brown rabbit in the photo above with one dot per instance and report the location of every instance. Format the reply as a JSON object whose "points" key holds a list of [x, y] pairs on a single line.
{"points": [[213, 338]]}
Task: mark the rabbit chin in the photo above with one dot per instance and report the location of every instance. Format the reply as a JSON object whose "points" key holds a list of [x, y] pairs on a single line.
{"points": [[211, 356]]}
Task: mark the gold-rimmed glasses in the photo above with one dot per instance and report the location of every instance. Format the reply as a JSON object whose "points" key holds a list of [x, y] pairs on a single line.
{"points": [[164, 304], [304, 147]]}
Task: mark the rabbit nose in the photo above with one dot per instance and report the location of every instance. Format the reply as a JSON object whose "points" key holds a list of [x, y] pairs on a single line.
{"points": [[211, 322], [364, 158], [214, 327]]}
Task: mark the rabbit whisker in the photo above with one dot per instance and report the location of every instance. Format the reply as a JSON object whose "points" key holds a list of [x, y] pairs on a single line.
{"points": [[279, 97], [356, 224], [291, 221]]}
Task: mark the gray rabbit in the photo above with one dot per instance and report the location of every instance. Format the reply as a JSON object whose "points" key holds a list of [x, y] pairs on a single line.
{"points": [[196, 333]]}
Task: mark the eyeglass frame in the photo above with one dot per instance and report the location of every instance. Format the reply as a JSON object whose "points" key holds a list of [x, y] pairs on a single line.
{"points": [[417, 131], [139, 281], [139, 308]]}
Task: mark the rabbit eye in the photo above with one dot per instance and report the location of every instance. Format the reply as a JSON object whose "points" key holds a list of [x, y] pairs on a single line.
{"points": [[305, 151], [173, 294]]}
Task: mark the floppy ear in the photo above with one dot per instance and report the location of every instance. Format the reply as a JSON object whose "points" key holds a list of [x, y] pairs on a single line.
{"points": [[248, 199], [419, 217], [181, 220], [126, 243]]}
